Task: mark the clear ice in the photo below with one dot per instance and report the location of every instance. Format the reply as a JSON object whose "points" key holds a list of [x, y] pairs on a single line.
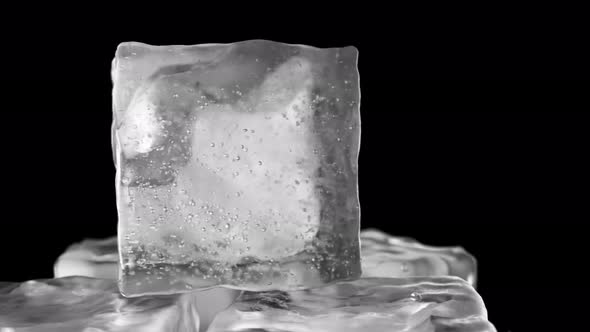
{"points": [[92, 258], [79, 304], [382, 255], [100, 259], [236, 166], [386, 256], [420, 304]]}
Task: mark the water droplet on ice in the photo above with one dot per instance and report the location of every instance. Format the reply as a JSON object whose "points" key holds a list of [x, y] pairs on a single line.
{"points": [[212, 145], [260, 162]]}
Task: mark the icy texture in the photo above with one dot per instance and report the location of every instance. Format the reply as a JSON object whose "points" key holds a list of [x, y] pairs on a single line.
{"points": [[386, 256], [91, 258], [79, 304], [236, 165], [100, 259], [424, 304]]}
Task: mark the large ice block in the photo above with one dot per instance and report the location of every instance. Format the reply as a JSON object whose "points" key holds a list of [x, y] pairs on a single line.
{"points": [[100, 259], [383, 255], [236, 165], [79, 304], [422, 304]]}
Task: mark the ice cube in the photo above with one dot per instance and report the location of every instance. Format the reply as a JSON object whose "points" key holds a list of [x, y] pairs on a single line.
{"points": [[100, 259], [383, 255], [417, 304], [236, 166], [79, 304]]}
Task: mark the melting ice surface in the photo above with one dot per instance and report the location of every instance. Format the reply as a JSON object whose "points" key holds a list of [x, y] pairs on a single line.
{"points": [[382, 255], [79, 304], [421, 304], [236, 165], [91, 258], [99, 259]]}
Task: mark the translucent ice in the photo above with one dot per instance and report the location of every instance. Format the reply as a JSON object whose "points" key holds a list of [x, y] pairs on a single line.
{"points": [[384, 255], [79, 304], [236, 165], [425, 304], [100, 259], [91, 258]]}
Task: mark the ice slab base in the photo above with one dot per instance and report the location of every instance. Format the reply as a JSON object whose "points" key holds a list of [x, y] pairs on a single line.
{"points": [[425, 304], [236, 166], [99, 259], [91, 257], [80, 304], [384, 255]]}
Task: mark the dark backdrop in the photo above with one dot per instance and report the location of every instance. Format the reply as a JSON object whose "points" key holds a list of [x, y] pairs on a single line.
{"points": [[496, 166]]}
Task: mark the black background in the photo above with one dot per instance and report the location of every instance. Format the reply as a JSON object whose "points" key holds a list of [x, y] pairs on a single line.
{"points": [[455, 150]]}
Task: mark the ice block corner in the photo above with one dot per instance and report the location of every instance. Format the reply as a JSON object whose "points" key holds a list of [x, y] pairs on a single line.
{"points": [[236, 166]]}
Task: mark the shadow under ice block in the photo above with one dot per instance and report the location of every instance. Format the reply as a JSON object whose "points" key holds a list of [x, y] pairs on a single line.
{"points": [[236, 166], [389, 256], [79, 304]]}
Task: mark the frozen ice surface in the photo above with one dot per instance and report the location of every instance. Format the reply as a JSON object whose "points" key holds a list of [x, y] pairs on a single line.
{"points": [[383, 255], [79, 304], [100, 259], [91, 258], [236, 165], [421, 304]]}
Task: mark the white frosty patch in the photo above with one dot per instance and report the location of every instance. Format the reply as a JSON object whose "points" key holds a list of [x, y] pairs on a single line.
{"points": [[139, 128]]}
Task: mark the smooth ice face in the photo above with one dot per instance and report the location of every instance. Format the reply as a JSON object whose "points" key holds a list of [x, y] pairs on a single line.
{"points": [[426, 304], [84, 304], [100, 259], [236, 166], [383, 255]]}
